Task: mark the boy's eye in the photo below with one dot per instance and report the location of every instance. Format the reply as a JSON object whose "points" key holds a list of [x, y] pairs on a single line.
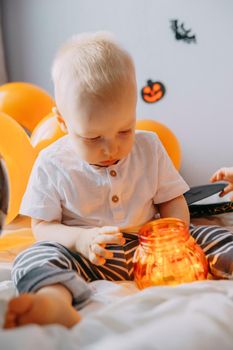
{"points": [[92, 139], [125, 131]]}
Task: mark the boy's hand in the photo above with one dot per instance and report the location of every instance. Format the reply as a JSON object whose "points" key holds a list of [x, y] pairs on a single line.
{"points": [[92, 243], [224, 174]]}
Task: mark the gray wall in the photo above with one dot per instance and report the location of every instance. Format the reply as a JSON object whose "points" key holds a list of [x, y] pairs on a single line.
{"points": [[198, 105]]}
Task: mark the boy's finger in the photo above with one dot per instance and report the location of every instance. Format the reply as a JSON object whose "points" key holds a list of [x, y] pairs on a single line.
{"points": [[101, 252], [213, 178], [218, 176], [109, 230], [110, 239], [96, 260], [226, 190]]}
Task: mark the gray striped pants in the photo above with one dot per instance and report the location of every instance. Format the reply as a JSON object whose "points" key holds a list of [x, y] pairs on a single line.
{"points": [[47, 263]]}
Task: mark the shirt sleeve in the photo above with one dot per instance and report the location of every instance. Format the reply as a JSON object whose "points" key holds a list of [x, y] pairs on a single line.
{"points": [[41, 199], [170, 184]]}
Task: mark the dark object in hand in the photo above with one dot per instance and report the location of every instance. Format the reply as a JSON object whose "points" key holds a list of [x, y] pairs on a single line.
{"points": [[197, 193]]}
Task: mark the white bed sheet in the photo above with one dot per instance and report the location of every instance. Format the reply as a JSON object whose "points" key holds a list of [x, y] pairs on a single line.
{"points": [[195, 316]]}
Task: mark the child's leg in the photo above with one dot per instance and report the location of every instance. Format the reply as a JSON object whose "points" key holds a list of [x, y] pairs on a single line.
{"points": [[47, 273], [49, 270], [217, 244], [49, 305]]}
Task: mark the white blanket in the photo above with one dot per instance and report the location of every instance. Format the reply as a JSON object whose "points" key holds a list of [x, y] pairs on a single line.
{"points": [[191, 316]]}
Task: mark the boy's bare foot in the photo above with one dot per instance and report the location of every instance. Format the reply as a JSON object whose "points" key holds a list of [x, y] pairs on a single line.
{"points": [[40, 309]]}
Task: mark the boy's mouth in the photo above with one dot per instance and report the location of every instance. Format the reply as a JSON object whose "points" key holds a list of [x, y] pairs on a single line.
{"points": [[109, 162]]}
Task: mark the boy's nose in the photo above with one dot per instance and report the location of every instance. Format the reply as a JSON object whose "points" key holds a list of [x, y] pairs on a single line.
{"points": [[110, 148]]}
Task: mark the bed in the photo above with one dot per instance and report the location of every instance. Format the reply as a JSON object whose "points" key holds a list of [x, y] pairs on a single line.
{"points": [[119, 316]]}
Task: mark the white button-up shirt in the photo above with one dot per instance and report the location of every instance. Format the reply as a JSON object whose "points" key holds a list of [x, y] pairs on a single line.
{"points": [[64, 188]]}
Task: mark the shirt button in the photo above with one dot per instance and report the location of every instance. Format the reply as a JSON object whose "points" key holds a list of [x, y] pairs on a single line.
{"points": [[115, 199], [113, 173]]}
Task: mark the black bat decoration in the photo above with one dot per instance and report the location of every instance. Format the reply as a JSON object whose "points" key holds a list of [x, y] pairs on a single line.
{"points": [[181, 33]]}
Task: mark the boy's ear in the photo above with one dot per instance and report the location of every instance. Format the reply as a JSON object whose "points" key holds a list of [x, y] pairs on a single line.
{"points": [[60, 120], [61, 123]]}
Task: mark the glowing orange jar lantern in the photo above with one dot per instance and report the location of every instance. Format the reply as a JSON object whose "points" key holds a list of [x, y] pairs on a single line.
{"points": [[167, 255]]}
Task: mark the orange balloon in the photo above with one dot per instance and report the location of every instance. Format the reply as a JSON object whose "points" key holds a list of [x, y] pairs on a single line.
{"points": [[168, 139], [17, 241], [25, 102], [47, 131], [19, 156]]}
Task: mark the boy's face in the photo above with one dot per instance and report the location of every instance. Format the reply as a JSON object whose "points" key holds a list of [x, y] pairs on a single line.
{"points": [[103, 132]]}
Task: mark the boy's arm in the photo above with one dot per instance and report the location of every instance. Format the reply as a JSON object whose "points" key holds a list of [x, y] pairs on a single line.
{"points": [[176, 208], [89, 242], [55, 231]]}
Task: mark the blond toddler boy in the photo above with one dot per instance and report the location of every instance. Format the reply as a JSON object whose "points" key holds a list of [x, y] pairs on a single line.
{"points": [[89, 185]]}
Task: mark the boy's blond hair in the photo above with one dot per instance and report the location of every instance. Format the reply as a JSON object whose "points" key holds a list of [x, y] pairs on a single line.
{"points": [[92, 63]]}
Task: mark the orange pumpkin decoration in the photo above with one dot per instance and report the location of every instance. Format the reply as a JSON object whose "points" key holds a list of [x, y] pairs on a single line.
{"points": [[153, 91]]}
